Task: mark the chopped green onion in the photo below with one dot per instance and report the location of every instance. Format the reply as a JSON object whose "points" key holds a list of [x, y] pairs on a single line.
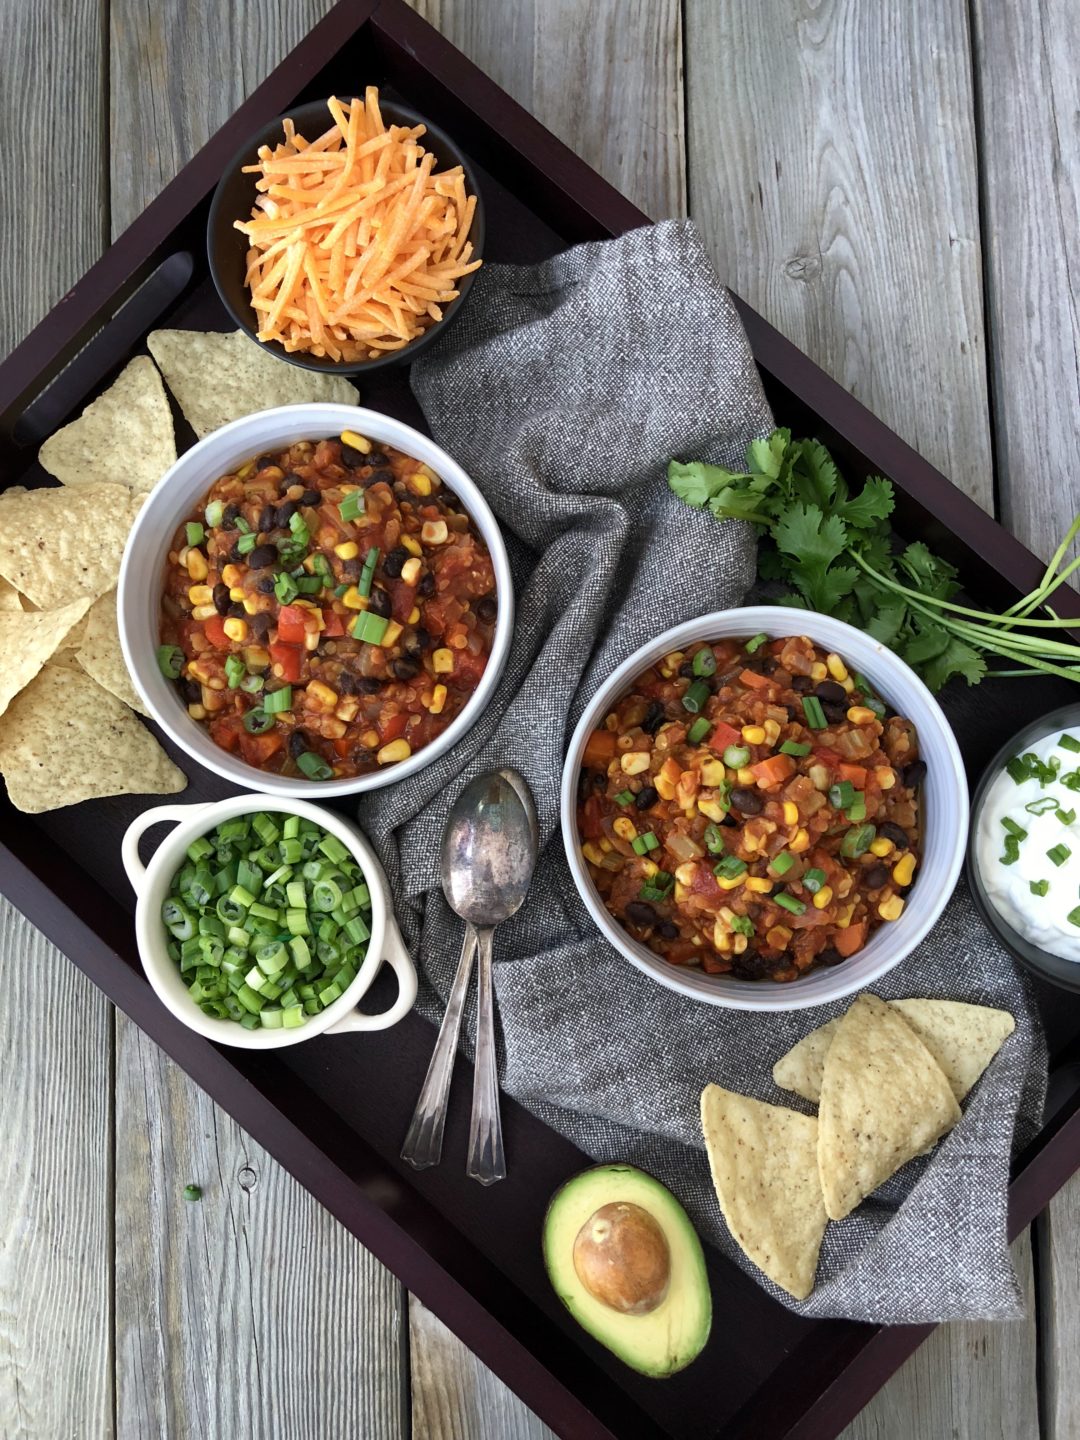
{"points": [[704, 661], [714, 839], [1018, 769], [234, 671], [1058, 854], [247, 543], [782, 863], [857, 841], [352, 507], [795, 747], [285, 587], [314, 766], [367, 574], [1039, 887], [257, 721], [696, 696], [1042, 806], [1012, 828], [813, 880], [1069, 742], [736, 756], [742, 924], [1073, 916], [214, 513], [730, 868], [642, 844], [698, 730], [196, 535], [170, 659], [856, 811], [841, 795], [242, 525], [252, 684], [790, 902], [754, 644], [298, 527], [369, 628], [275, 701], [192, 1192], [813, 714], [624, 797], [1066, 816]]}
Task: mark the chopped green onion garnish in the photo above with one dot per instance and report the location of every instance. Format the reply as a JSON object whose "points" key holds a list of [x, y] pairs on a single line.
{"points": [[736, 756], [251, 684], [813, 714], [857, 841], [214, 512], [170, 659], [696, 696], [813, 880], [247, 543], [730, 868], [642, 844], [624, 797], [285, 587], [742, 924], [1039, 887], [257, 721], [369, 628], [790, 902], [275, 701], [856, 811], [1073, 916], [352, 507], [340, 590], [1018, 769], [314, 766], [704, 661], [1058, 854], [1068, 742], [367, 575], [242, 525], [196, 535], [698, 730], [192, 1192], [1042, 806], [298, 527], [841, 795], [1066, 816], [755, 643], [714, 839], [795, 747], [234, 671], [782, 863], [1012, 828]]}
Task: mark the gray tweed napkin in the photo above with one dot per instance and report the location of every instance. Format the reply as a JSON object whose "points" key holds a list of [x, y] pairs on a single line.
{"points": [[563, 390]]}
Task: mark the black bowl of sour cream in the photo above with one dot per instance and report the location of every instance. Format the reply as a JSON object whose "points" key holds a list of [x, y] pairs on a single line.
{"points": [[1023, 858]]}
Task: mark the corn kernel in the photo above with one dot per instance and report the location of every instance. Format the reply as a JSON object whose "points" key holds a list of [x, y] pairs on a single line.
{"points": [[235, 628], [606, 845], [860, 715], [836, 667], [353, 600], [819, 777], [712, 773], [203, 612], [434, 532], [347, 709], [256, 657], [442, 661], [685, 873], [411, 544], [885, 777], [823, 896], [800, 842], [634, 762], [892, 908], [251, 605], [391, 635], [396, 750], [200, 594], [665, 788], [711, 809], [370, 738], [681, 893], [772, 732], [778, 937], [197, 712], [410, 571], [881, 847], [744, 775], [347, 550], [438, 700], [197, 567], [848, 685], [670, 664], [232, 575], [419, 483], [245, 470], [198, 671], [649, 868], [843, 920], [791, 813], [592, 854], [739, 943], [322, 695], [904, 869], [625, 828], [356, 442], [818, 671], [721, 936], [754, 734], [730, 882], [413, 616], [759, 884]]}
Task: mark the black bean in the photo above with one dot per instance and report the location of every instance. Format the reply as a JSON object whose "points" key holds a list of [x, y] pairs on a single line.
{"points": [[236, 555], [730, 820], [584, 784], [191, 691], [767, 665], [265, 461], [801, 684], [368, 684], [794, 712], [686, 670], [265, 584], [833, 692], [405, 669], [352, 570], [380, 603], [487, 607], [830, 957], [262, 556], [654, 718], [752, 966], [889, 830], [914, 774], [346, 683], [298, 743], [645, 799], [266, 519], [260, 625], [834, 714], [311, 497], [876, 876], [284, 513], [352, 458], [747, 801], [393, 560], [377, 460], [668, 930], [230, 515], [640, 913], [416, 641], [383, 476], [236, 611], [221, 598], [600, 780], [426, 588]]}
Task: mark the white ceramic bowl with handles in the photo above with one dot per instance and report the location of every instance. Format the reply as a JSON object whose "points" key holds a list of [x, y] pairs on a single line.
{"points": [[152, 883], [172, 501], [944, 799]]}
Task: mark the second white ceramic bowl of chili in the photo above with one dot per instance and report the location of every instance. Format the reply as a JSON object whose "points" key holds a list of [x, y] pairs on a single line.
{"points": [[174, 500], [943, 803]]}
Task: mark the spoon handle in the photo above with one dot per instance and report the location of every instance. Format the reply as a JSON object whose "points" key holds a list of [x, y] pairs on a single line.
{"points": [[487, 1160], [423, 1143]]}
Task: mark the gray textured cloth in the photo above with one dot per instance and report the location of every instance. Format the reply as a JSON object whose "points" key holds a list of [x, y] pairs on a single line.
{"points": [[563, 390]]}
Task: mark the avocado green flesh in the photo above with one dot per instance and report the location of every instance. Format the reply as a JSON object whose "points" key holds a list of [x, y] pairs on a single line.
{"points": [[666, 1339]]}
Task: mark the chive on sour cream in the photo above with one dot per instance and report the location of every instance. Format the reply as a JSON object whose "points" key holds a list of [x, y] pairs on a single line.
{"points": [[1028, 847]]}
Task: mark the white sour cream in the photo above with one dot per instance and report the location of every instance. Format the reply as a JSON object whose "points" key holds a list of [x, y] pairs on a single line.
{"points": [[1042, 919]]}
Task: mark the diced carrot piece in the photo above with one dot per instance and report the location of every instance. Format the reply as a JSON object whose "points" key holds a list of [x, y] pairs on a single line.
{"points": [[599, 748], [333, 625], [214, 629], [753, 680], [855, 773], [723, 736], [852, 939], [773, 771]]}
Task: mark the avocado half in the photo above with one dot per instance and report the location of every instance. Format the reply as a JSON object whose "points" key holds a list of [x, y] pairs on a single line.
{"points": [[624, 1259]]}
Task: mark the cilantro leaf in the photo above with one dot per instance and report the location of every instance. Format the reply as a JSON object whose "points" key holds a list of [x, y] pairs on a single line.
{"points": [[958, 658], [932, 575], [927, 643], [696, 483], [823, 485], [766, 457], [873, 503], [889, 623]]}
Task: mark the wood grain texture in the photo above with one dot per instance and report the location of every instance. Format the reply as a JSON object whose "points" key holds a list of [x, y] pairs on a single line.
{"points": [[1029, 87], [1057, 1229], [454, 1396], [250, 1312], [55, 1192], [832, 169], [57, 228]]}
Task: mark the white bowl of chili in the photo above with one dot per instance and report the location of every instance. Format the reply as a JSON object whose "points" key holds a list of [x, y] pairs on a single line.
{"points": [[179, 497], [943, 811], [155, 882]]}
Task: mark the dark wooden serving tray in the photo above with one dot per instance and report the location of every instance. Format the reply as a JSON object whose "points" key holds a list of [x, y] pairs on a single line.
{"points": [[334, 1111]]}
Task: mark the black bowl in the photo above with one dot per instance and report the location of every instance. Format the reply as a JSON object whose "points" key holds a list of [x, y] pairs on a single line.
{"points": [[236, 193], [1063, 973]]}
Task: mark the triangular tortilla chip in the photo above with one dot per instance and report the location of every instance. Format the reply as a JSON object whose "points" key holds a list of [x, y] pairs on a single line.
{"points": [[884, 1100], [962, 1038], [65, 739], [9, 596], [218, 378], [60, 542], [124, 437], [765, 1168], [100, 654], [28, 639]]}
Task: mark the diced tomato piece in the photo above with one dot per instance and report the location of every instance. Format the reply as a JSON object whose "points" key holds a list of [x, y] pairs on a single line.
{"points": [[257, 749], [402, 598], [704, 883], [290, 658], [214, 630], [333, 625], [855, 773], [773, 771], [723, 736], [467, 669], [226, 731], [599, 748], [290, 624], [826, 757], [393, 728], [343, 746], [591, 819], [753, 680], [852, 939]]}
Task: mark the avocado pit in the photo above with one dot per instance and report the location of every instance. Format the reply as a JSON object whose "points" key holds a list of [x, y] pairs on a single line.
{"points": [[622, 1258]]}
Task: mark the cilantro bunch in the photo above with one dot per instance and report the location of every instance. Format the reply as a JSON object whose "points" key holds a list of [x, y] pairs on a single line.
{"points": [[836, 550]]}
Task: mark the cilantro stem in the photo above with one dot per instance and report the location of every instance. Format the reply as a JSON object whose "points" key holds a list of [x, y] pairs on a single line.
{"points": [[985, 616], [1051, 570]]}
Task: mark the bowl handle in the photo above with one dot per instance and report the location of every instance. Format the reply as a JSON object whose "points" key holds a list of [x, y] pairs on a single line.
{"points": [[395, 955], [129, 849]]}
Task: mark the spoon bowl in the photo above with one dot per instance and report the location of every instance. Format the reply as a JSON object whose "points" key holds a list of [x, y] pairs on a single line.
{"points": [[489, 849]]}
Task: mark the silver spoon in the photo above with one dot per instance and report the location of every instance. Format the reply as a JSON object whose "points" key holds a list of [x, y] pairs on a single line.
{"points": [[488, 853]]}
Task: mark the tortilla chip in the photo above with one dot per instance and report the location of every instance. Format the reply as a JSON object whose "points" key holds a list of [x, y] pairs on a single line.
{"points": [[962, 1038], [59, 543], [765, 1168], [65, 739], [124, 437], [9, 596], [100, 654], [27, 641], [884, 1099], [218, 378]]}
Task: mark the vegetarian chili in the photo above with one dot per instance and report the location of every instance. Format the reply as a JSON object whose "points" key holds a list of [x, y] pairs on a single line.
{"points": [[750, 807], [328, 609]]}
